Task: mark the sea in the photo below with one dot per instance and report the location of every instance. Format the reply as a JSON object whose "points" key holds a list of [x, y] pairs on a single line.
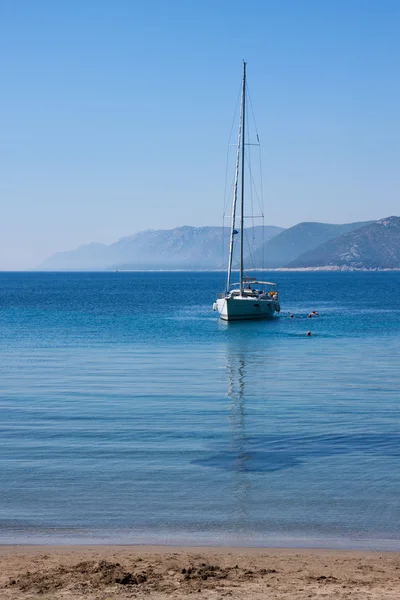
{"points": [[130, 414]]}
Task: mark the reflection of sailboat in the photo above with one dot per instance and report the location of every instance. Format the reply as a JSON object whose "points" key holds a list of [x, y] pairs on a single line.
{"points": [[236, 373], [245, 299]]}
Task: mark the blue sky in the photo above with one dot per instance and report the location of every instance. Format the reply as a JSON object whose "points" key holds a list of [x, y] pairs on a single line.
{"points": [[115, 116]]}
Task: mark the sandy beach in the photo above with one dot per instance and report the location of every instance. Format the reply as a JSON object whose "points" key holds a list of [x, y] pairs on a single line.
{"points": [[108, 572]]}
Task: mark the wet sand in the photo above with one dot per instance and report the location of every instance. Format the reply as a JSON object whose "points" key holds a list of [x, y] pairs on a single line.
{"points": [[160, 572]]}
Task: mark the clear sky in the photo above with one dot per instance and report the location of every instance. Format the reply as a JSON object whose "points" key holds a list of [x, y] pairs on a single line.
{"points": [[115, 115]]}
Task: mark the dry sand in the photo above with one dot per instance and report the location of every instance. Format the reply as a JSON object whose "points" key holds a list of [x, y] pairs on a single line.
{"points": [[119, 572]]}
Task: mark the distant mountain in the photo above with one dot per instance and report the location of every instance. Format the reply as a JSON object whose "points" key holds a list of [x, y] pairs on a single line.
{"points": [[368, 245], [374, 246], [293, 242], [180, 248]]}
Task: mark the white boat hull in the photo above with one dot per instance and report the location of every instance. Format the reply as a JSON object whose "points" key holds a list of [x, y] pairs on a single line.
{"points": [[238, 307]]}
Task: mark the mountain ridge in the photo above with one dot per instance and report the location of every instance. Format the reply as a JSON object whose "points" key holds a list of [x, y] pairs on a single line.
{"points": [[294, 241], [182, 247], [307, 245], [374, 246]]}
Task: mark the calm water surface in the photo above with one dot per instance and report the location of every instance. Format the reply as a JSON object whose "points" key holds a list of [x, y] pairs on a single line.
{"points": [[129, 413]]}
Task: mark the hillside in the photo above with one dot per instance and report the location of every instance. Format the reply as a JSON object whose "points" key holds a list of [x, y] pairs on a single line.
{"points": [[368, 245], [179, 248], [374, 246], [295, 241]]}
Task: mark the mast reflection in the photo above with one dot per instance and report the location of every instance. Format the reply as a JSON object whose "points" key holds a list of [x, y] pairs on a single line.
{"points": [[236, 375]]}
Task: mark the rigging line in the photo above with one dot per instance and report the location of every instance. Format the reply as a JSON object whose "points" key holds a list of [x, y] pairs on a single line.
{"points": [[255, 187], [247, 157], [222, 239], [229, 144], [261, 200], [252, 113], [254, 250], [228, 195], [251, 186], [226, 191], [248, 163], [223, 245], [231, 188], [251, 257], [235, 263], [246, 216], [261, 205], [255, 253], [262, 251]]}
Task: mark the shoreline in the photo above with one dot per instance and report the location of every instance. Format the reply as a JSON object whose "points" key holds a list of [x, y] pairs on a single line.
{"points": [[105, 572], [171, 548], [322, 269], [206, 541]]}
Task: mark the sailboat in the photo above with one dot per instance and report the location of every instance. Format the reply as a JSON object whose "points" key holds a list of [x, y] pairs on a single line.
{"points": [[249, 298]]}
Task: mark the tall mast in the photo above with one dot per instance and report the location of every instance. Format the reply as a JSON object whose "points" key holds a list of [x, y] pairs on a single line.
{"points": [[242, 120], [234, 202]]}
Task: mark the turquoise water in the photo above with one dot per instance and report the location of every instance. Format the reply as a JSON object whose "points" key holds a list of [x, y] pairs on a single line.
{"points": [[129, 413]]}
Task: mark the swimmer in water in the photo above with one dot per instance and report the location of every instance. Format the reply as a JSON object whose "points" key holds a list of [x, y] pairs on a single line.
{"points": [[308, 333]]}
